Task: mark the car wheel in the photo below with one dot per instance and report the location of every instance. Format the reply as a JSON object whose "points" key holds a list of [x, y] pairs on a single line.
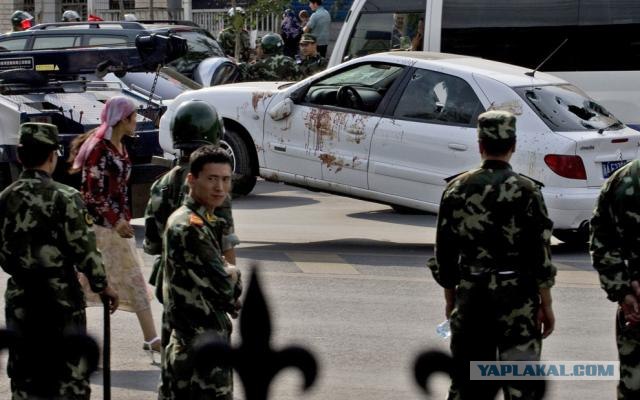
{"points": [[572, 237], [243, 179]]}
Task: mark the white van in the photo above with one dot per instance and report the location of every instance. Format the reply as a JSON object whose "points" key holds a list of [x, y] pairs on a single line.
{"points": [[601, 55]]}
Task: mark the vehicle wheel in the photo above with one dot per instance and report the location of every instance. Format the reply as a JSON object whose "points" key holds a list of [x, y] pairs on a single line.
{"points": [[572, 237], [243, 179]]}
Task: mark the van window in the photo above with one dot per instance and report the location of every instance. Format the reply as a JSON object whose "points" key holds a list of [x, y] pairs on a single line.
{"points": [[13, 44], [435, 97], [55, 42], [525, 32], [377, 32]]}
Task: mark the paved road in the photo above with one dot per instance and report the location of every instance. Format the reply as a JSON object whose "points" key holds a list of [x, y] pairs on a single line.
{"points": [[346, 279]]}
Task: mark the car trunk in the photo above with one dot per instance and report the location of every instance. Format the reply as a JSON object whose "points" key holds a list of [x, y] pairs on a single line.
{"points": [[603, 153]]}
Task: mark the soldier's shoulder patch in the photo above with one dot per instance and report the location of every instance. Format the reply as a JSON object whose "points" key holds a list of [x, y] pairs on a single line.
{"points": [[195, 220], [535, 182], [210, 217]]}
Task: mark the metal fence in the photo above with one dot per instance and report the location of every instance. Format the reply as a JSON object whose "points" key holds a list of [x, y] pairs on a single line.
{"points": [[210, 19]]}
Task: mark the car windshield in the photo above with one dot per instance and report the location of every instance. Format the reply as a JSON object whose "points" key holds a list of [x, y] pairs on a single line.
{"points": [[201, 47], [567, 108], [371, 75], [198, 42]]}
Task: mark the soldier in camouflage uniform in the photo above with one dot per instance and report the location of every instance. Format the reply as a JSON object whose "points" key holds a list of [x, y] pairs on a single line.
{"points": [[195, 123], [615, 252], [312, 62], [492, 257], [45, 237], [227, 37], [169, 191], [200, 289], [271, 65]]}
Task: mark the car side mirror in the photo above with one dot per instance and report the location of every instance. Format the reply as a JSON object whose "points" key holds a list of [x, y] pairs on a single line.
{"points": [[281, 110]]}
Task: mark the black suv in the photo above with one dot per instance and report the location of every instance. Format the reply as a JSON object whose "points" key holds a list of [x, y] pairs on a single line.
{"points": [[65, 35]]}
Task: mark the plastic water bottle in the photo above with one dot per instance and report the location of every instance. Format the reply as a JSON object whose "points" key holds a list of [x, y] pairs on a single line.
{"points": [[443, 330]]}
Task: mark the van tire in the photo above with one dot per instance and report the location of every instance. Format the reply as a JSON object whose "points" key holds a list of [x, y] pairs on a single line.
{"points": [[243, 179]]}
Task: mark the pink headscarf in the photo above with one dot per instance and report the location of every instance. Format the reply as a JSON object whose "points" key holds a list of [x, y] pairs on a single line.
{"points": [[115, 110]]}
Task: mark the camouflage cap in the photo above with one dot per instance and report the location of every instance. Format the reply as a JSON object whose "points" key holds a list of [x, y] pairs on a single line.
{"points": [[496, 125], [308, 38], [33, 133]]}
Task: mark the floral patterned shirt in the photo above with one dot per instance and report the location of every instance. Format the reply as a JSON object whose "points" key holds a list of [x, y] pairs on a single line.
{"points": [[105, 178]]}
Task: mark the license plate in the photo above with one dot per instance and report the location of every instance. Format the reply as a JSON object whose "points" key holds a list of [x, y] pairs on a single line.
{"points": [[609, 167]]}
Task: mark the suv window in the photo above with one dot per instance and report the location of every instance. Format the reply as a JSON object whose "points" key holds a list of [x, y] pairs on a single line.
{"points": [[16, 44], [107, 40], [41, 42], [436, 97]]}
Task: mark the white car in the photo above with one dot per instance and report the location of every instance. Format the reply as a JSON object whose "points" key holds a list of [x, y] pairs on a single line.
{"points": [[390, 128]]}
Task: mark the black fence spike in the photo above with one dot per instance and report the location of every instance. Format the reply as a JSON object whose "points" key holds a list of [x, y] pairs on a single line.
{"points": [[254, 360]]}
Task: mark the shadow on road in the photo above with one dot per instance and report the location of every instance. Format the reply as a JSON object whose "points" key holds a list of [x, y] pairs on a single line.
{"points": [[146, 381], [266, 201], [390, 216], [351, 245]]}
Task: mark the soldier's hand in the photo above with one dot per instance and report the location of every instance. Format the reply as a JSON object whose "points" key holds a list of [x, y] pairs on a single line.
{"points": [[114, 300], [124, 229], [546, 321]]}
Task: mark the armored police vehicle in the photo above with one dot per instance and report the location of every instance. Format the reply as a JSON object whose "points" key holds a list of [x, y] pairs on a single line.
{"points": [[63, 87]]}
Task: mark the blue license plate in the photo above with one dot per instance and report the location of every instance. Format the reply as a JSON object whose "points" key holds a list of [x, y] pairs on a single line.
{"points": [[609, 167]]}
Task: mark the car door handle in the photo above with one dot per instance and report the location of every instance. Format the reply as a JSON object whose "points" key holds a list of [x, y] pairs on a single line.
{"points": [[355, 131], [457, 146]]}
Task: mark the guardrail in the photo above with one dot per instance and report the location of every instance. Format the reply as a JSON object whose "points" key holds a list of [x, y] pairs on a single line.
{"points": [[213, 20]]}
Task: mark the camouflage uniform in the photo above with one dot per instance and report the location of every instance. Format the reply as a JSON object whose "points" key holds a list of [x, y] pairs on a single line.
{"points": [[272, 68], [227, 39], [492, 246], [615, 252], [312, 65], [198, 294], [45, 236]]}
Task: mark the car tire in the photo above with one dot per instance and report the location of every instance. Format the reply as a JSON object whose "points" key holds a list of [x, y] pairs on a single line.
{"points": [[243, 179]]}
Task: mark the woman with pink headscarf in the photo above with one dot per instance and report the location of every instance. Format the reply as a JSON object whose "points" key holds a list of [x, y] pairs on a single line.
{"points": [[105, 165]]}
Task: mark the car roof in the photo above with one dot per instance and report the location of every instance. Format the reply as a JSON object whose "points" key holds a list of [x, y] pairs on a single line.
{"points": [[509, 74], [83, 25]]}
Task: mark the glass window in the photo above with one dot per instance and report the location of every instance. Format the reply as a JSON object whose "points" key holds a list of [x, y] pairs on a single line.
{"points": [[567, 108], [13, 44], [435, 97], [111, 41], [55, 42], [598, 12], [371, 75], [380, 32], [361, 87]]}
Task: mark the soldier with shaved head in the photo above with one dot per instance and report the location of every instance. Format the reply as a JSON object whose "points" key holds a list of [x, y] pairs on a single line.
{"points": [[493, 259]]}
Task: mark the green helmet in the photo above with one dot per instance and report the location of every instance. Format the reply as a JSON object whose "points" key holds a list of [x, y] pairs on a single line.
{"points": [[21, 19], [194, 124], [272, 43]]}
